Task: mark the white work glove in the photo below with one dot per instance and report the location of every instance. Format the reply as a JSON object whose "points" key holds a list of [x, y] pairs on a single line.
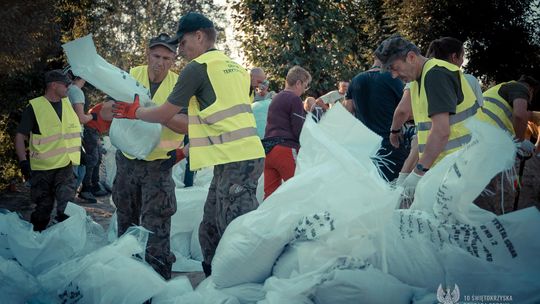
{"points": [[526, 148], [409, 185], [401, 178]]}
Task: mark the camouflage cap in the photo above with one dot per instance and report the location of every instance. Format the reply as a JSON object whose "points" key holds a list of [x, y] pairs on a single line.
{"points": [[394, 48], [163, 40]]}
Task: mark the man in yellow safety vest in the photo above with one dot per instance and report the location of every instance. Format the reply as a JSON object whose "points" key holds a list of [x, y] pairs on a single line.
{"points": [[52, 128], [222, 131]]}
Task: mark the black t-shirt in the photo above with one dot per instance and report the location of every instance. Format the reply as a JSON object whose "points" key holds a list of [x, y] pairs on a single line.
{"points": [[154, 86], [512, 91], [375, 96], [29, 122], [443, 90], [193, 81]]}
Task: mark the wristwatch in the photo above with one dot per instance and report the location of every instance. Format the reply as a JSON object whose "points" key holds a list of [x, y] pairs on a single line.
{"points": [[421, 168]]}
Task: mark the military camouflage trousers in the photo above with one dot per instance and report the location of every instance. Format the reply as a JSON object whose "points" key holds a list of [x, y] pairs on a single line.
{"points": [[231, 194], [144, 195], [47, 186]]}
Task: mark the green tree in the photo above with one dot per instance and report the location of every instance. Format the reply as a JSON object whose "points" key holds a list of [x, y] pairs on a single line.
{"points": [[121, 29], [325, 37], [501, 37], [33, 32]]}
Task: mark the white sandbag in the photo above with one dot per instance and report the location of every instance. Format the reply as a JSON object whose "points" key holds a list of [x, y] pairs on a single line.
{"points": [[181, 247], [174, 288], [181, 243], [38, 252], [203, 178], [189, 208], [135, 137], [112, 230], [109, 161], [184, 224], [95, 237], [260, 189], [178, 172], [120, 280], [448, 189], [456, 242], [195, 248], [369, 284], [107, 275], [300, 289], [287, 265], [207, 293], [5, 252], [18, 286], [514, 269], [259, 237]]}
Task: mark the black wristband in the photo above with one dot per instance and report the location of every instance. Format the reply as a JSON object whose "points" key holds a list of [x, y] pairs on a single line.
{"points": [[395, 131]]}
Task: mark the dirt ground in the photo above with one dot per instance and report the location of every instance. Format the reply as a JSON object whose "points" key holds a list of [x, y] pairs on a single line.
{"points": [[101, 212]]}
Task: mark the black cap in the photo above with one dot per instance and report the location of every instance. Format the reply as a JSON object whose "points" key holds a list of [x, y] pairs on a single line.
{"points": [[394, 48], [190, 22], [57, 76], [163, 40]]}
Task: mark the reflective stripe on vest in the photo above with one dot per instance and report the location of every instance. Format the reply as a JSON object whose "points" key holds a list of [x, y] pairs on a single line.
{"points": [[496, 119], [51, 153], [451, 144], [221, 115], [225, 131], [169, 140], [459, 134], [503, 107], [48, 139], [497, 110], [59, 143], [222, 138], [453, 119]]}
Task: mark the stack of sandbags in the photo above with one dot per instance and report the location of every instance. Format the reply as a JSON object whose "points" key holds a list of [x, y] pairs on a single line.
{"points": [[71, 262], [444, 240]]}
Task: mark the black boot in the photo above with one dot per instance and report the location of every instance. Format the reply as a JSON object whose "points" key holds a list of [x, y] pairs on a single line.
{"points": [[207, 268], [61, 216], [39, 224]]}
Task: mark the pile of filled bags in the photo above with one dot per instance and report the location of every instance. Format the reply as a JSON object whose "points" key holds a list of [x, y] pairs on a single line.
{"points": [[330, 234]]}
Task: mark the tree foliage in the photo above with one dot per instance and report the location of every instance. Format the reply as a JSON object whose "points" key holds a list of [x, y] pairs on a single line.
{"points": [[321, 36], [33, 32], [334, 39], [501, 36]]}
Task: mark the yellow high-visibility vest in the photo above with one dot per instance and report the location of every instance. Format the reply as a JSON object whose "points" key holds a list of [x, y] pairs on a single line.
{"points": [[59, 143], [225, 131], [169, 140], [498, 109], [459, 134]]}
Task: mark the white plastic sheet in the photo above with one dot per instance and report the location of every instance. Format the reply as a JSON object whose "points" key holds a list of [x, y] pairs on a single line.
{"points": [[259, 237], [37, 252], [135, 137], [18, 286], [109, 161]]}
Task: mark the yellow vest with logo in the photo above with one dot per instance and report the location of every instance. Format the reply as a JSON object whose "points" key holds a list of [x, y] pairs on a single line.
{"points": [[59, 143], [169, 139], [498, 109], [459, 134], [224, 132]]}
